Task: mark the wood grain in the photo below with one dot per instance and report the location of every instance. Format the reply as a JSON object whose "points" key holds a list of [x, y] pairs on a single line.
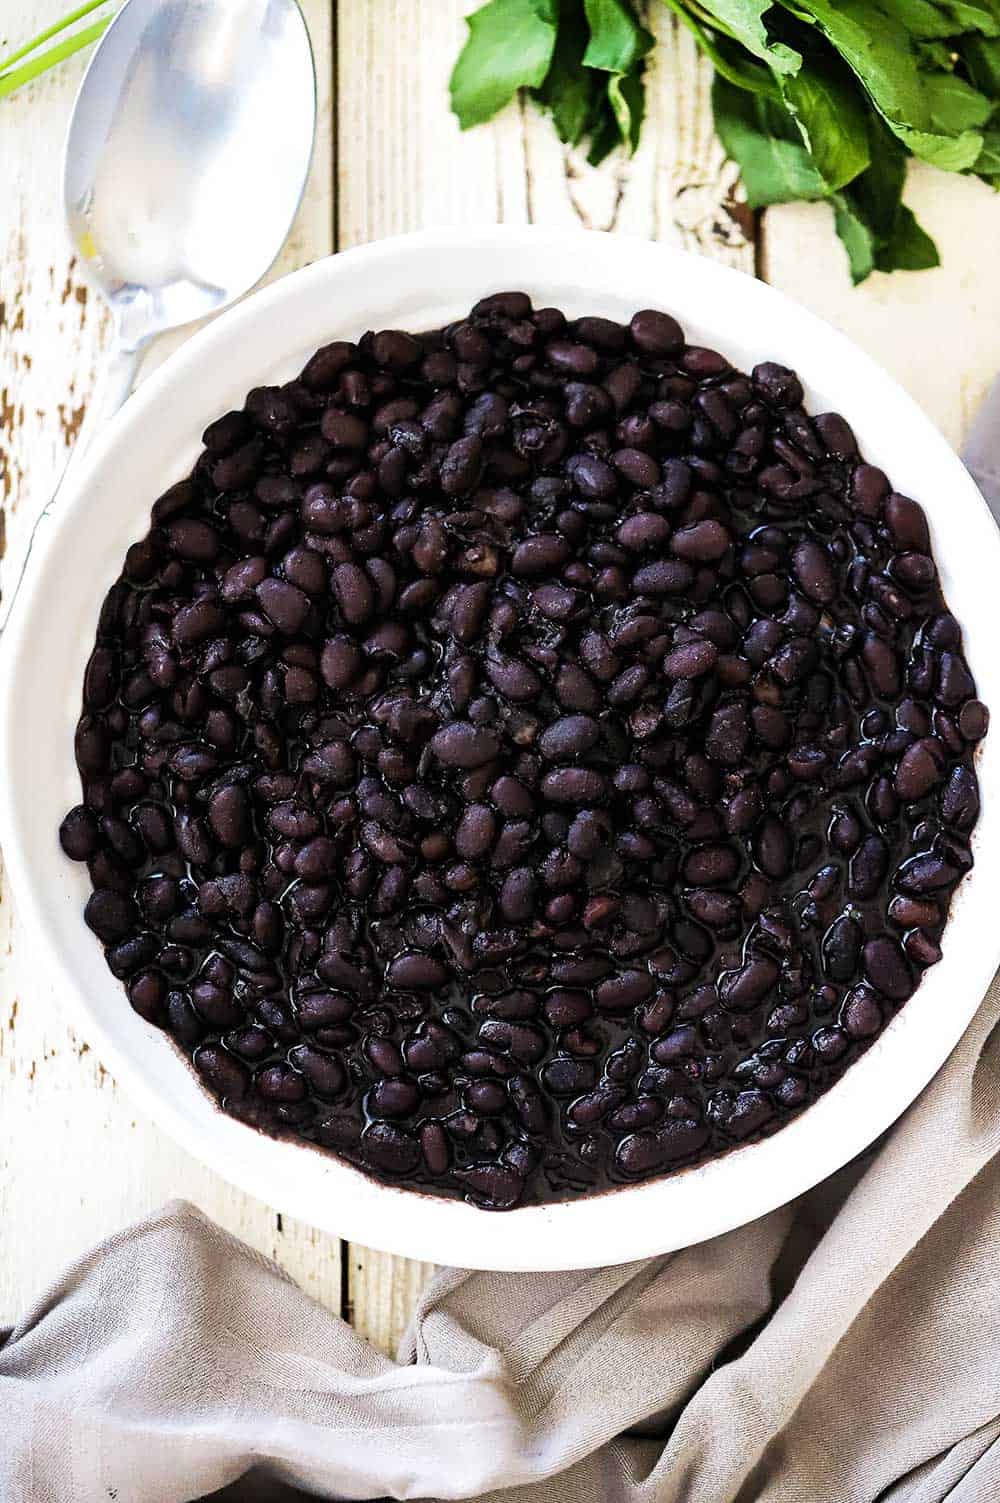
{"points": [[76, 1161], [938, 331], [402, 164]]}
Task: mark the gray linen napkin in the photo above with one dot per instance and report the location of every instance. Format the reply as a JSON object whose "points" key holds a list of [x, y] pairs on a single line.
{"points": [[844, 1349]]}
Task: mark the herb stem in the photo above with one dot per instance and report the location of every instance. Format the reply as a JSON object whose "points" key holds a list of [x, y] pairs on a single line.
{"points": [[757, 83], [16, 77], [50, 31]]}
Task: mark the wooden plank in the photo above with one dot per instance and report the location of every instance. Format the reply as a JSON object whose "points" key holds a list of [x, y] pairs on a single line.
{"points": [[76, 1161], [403, 164], [936, 331]]}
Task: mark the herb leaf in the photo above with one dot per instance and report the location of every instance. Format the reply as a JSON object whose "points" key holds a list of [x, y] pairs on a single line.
{"points": [[831, 115], [929, 19], [728, 60], [571, 92], [763, 140], [879, 232], [987, 164], [617, 46], [982, 58], [880, 51], [509, 47], [743, 21]]}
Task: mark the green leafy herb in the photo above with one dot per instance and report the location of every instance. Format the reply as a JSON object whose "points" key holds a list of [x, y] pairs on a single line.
{"points": [[832, 119], [570, 91], [763, 139], [617, 47], [510, 47], [814, 99], [879, 232], [982, 62], [743, 21]]}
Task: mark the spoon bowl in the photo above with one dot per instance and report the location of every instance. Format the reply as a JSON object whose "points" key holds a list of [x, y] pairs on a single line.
{"points": [[187, 154], [186, 157]]}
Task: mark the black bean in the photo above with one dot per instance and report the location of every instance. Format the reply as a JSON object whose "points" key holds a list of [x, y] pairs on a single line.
{"points": [[570, 736], [513, 679], [655, 333], [413, 971], [475, 832], [78, 833], [221, 1072], [353, 592], [642, 1153], [459, 744], [541, 554], [574, 785], [906, 523], [973, 720], [960, 799], [645, 530], [701, 542], [568, 1077], [920, 769], [110, 914], [229, 815], [462, 466], [690, 660], [887, 969], [190, 538], [343, 430], [772, 847], [813, 571], [728, 735], [284, 604], [389, 1149], [493, 1187], [868, 868], [623, 992], [745, 988], [954, 681], [842, 947]]}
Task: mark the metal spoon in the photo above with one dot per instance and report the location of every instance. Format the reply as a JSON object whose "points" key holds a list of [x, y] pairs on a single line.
{"points": [[186, 157]]}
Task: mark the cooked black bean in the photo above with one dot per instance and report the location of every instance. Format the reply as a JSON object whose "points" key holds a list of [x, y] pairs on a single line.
{"points": [[221, 1072], [701, 542], [352, 591], [459, 744], [887, 969], [284, 604], [920, 769], [656, 333], [110, 914], [570, 736], [78, 833], [536, 738]]}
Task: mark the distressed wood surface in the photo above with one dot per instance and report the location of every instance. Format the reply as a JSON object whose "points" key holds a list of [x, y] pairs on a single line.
{"points": [[75, 1160]]}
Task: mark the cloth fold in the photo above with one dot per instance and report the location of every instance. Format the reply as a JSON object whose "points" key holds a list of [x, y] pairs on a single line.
{"points": [[844, 1349]]}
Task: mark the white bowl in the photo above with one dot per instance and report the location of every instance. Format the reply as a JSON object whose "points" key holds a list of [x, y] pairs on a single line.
{"points": [[420, 282]]}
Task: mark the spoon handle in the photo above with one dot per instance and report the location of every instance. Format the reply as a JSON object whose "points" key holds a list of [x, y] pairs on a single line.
{"points": [[112, 388]]}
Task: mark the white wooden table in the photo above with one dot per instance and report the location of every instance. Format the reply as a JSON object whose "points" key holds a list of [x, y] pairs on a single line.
{"points": [[76, 1160]]}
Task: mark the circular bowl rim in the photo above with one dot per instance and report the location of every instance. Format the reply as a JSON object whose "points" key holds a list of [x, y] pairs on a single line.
{"points": [[651, 1217]]}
